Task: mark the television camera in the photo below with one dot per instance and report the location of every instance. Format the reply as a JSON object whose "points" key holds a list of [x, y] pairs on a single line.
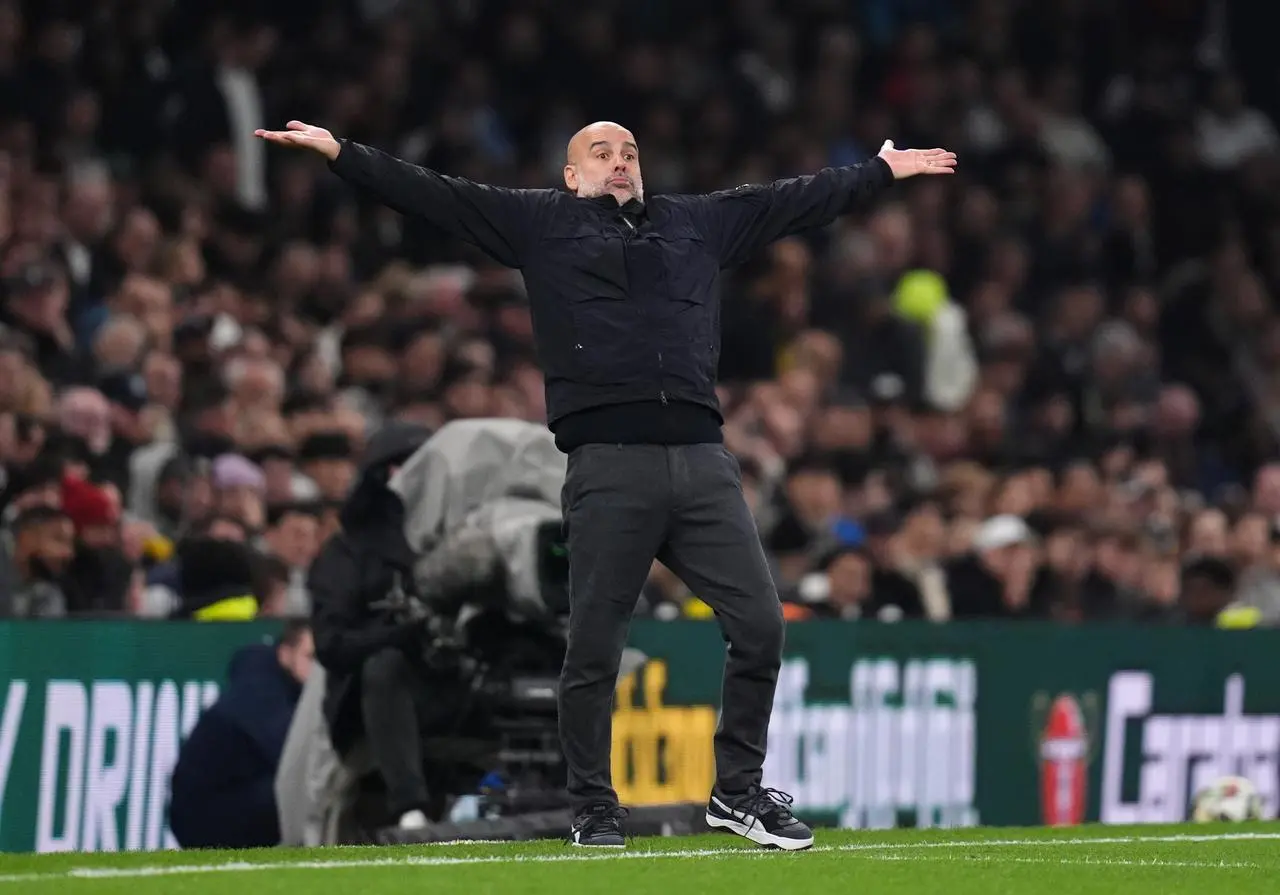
{"points": [[482, 514]]}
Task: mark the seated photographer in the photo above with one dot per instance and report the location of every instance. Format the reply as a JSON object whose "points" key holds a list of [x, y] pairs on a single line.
{"points": [[380, 686], [222, 794]]}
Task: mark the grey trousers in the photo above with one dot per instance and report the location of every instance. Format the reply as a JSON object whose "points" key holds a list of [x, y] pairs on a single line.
{"points": [[624, 505]]}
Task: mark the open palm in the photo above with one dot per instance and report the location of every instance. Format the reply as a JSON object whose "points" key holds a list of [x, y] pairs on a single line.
{"points": [[303, 136], [910, 162]]}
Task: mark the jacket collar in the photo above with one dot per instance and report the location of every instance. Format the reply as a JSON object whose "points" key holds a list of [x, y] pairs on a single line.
{"points": [[609, 202]]}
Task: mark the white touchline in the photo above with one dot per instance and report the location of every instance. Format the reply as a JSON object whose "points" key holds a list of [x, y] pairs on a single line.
{"points": [[1079, 840], [90, 873], [1072, 862]]}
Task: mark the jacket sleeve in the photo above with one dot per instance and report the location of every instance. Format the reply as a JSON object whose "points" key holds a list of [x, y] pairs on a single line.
{"points": [[500, 222], [344, 634], [742, 221]]}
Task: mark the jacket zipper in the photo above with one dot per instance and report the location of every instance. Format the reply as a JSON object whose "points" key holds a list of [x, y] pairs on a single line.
{"points": [[630, 232], [662, 392]]}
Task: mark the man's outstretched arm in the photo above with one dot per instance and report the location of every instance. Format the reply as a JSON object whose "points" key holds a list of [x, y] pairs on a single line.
{"points": [[496, 220], [744, 220]]}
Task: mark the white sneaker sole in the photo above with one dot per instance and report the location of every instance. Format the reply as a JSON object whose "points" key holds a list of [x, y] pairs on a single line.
{"points": [[574, 842], [758, 834]]}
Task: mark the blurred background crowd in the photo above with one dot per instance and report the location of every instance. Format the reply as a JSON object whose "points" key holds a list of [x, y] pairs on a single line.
{"points": [[1047, 387]]}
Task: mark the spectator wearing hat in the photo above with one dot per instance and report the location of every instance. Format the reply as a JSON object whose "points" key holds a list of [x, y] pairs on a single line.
{"points": [[876, 339], [100, 577], [1208, 587], [239, 488], [995, 579], [950, 367], [164, 578], [216, 580], [92, 509]]}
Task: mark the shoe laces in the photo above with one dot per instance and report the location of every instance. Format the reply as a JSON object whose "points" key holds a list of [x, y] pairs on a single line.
{"points": [[604, 817], [764, 802]]}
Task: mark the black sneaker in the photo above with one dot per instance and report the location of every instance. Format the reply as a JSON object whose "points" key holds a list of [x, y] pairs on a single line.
{"points": [[762, 815], [599, 826]]}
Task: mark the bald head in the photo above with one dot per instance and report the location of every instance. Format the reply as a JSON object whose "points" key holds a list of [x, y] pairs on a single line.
{"points": [[603, 159], [603, 132]]}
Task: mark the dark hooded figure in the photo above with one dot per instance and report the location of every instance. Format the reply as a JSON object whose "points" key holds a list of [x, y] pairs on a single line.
{"points": [[379, 687]]}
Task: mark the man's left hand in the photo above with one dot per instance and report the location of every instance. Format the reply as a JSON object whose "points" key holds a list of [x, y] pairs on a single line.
{"points": [[910, 162]]}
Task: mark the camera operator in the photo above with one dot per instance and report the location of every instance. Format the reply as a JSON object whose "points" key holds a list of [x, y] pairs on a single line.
{"points": [[380, 687]]}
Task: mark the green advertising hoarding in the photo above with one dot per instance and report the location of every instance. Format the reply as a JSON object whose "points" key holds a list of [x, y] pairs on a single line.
{"points": [[997, 724], [92, 717], [874, 725]]}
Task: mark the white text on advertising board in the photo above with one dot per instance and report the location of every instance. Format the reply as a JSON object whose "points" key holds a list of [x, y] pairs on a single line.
{"points": [[107, 750], [901, 751], [1181, 753]]}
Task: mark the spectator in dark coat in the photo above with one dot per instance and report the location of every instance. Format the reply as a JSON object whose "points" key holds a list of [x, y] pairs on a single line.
{"points": [[215, 580], [996, 579], [223, 790]]}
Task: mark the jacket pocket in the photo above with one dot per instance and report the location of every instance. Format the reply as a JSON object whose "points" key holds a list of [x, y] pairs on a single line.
{"points": [[691, 284], [608, 339]]}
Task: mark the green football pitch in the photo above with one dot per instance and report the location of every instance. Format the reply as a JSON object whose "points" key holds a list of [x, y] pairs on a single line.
{"points": [[1204, 860]]}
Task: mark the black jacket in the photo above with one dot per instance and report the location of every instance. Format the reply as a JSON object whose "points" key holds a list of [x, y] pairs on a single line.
{"points": [[357, 567], [625, 300], [976, 593], [223, 789]]}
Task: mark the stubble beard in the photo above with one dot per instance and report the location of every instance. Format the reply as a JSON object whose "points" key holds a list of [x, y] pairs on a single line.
{"points": [[622, 194]]}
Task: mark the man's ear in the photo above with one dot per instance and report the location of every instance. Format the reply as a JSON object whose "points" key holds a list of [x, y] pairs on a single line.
{"points": [[571, 177]]}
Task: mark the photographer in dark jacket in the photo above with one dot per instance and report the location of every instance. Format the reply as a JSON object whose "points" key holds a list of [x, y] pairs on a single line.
{"points": [[378, 686], [222, 794]]}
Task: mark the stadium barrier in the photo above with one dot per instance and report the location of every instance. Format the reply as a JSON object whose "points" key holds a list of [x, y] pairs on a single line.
{"points": [[874, 725]]}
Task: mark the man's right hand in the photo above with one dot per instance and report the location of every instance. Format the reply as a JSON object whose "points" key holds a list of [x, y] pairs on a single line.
{"points": [[304, 136]]}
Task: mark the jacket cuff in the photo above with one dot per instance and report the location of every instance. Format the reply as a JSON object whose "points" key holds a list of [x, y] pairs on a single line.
{"points": [[339, 164], [878, 165]]}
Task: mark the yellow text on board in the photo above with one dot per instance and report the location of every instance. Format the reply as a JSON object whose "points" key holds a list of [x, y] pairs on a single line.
{"points": [[661, 753]]}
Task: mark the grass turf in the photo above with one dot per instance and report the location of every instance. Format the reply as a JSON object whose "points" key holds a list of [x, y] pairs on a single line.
{"points": [[1163, 860]]}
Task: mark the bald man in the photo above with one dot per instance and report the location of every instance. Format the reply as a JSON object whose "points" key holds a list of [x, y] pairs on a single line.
{"points": [[624, 293]]}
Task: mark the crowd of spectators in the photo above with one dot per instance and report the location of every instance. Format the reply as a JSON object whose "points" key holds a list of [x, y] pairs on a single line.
{"points": [[1048, 386]]}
